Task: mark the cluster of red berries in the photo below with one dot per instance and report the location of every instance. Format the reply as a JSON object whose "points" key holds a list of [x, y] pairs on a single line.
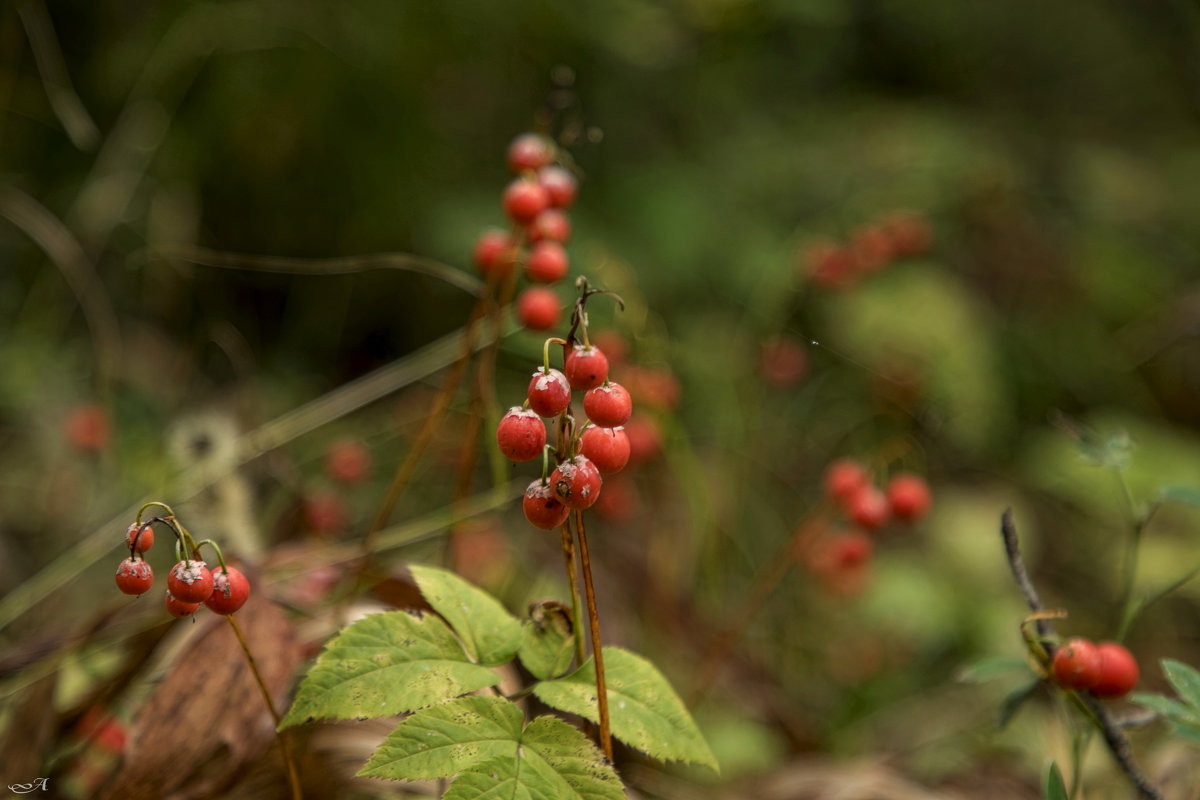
{"points": [[535, 203], [1107, 669], [584, 453], [842, 559], [190, 582], [839, 265]]}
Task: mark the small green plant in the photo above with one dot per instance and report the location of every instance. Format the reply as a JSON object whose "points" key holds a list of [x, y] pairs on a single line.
{"points": [[431, 666]]}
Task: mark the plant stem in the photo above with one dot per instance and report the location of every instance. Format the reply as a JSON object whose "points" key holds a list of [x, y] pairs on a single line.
{"points": [[293, 775], [597, 652], [568, 546]]}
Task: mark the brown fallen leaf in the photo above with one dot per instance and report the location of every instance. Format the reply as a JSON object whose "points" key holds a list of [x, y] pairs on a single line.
{"points": [[206, 723]]}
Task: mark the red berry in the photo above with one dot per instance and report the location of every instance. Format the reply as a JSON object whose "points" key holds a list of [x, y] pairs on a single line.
{"points": [[230, 591], [348, 461], [143, 541], [607, 448], [653, 387], [910, 233], [190, 581], [585, 367], [850, 550], [869, 507], [325, 512], [547, 263], [552, 224], [873, 247], [538, 308], [521, 434], [831, 266], [618, 502], [576, 482], [529, 151], [496, 252], [1076, 664], [783, 362], [608, 405], [87, 427], [542, 508], [549, 393], [178, 608], [843, 479], [524, 199], [613, 345], [134, 576], [645, 439], [908, 496], [560, 184], [1118, 671]]}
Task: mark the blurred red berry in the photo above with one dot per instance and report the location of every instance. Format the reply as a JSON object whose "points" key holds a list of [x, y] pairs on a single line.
{"points": [[348, 461], [529, 151], [909, 497], [87, 427], [325, 512], [524, 199], [538, 308], [910, 233], [843, 479], [495, 252], [550, 225], [783, 361], [560, 184], [830, 265], [547, 263], [1118, 671], [869, 507], [1076, 664], [645, 439]]}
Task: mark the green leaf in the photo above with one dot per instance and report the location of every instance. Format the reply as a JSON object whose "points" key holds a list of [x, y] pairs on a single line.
{"points": [[1167, 708], [644, 710], [547, 645], [483, 741], [1184, 680], [1014, 701], [989, 669], [490, 634], [386, 664], [1055, 788]]}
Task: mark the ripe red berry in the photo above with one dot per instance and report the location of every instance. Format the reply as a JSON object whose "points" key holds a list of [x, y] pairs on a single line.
{"points": [[1076, 664], [87, 427], [614, 347], [348, 461], [585, 367], [521, 434], [869, 507], [542, 508], [190, 581], [495, 252], [529, 151], [850, 550], [645, 439], [560, 184], [1118, 671], [552, 224], [538, 308], [230, 591], [549, 393], [658, 388], [143, 541], [908, 496], [607, 448], [576, 482], [134, 576], [608, 405], [178, 608], [843, 479], [783, 362], [524, 199], [873, 247], [547, 263]]}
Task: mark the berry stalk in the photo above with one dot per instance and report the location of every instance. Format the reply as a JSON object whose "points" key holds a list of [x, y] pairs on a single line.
{"points": [[597, 652]]}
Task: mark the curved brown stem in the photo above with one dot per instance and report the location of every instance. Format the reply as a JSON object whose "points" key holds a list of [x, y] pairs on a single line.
{"points": [[597, 652]]}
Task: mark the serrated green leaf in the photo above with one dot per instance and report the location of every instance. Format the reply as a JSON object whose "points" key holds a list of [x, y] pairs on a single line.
{"points": [[989, 669], [1167, 708], [1014, 701], [1055, 788], [547, 646], [386, 664], [1184, 680], [482, 740], [490, 634], [644, 710]]}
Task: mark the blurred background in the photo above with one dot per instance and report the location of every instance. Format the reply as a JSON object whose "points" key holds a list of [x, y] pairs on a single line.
{"points": [[194, 308]]}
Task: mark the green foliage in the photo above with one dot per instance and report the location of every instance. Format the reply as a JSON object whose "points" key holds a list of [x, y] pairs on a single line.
{"points": [[399, 662], [490, 634], [646, 713], [484, 742], [1055, 788], [386, 664], [1184, 713]]}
